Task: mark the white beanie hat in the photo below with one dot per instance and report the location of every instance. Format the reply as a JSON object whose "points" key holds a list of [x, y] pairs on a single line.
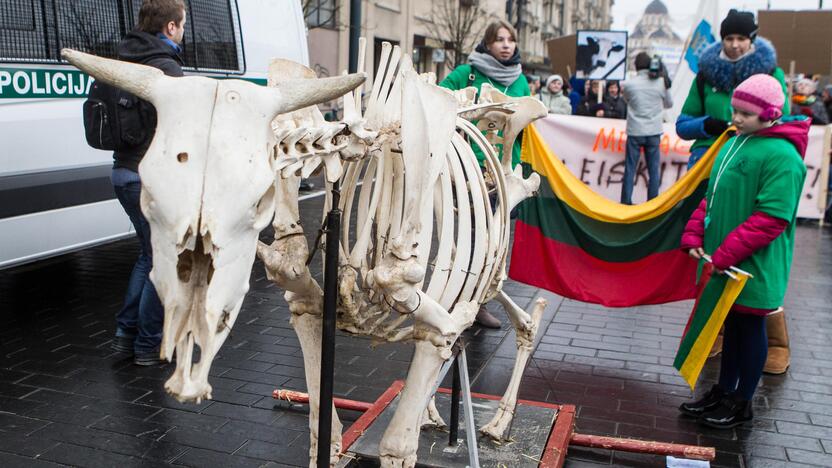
{"points": [[552, 78]]}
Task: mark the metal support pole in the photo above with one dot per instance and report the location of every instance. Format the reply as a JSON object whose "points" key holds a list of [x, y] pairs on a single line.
{"points": [[333, 229], [453, 438], [470, 428], [355, 34]]}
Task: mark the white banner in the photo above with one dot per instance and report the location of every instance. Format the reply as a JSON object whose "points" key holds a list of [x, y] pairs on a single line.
{"points": [[593, 149]]}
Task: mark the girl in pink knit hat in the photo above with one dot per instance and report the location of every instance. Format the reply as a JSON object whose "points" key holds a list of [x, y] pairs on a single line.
{"points": [[747, 220]]}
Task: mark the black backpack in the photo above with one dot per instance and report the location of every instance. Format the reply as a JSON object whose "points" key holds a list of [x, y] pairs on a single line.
{"points": [[114, 120]]}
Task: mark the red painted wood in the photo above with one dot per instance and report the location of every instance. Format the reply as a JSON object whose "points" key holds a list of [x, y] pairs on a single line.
{"points": [[340, 403], [644, 446], [361, 424], [554, 454]]}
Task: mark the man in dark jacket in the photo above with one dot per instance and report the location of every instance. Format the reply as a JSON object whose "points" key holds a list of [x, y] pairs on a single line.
{"points": [[617, 108], [154, 43]]}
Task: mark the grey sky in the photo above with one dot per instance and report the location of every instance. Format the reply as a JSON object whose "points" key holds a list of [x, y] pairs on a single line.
{"points": [[626, 12]]}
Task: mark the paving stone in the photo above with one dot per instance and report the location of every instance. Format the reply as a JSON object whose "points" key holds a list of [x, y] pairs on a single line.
{"points": [[187, 419], [97, 409], [199, 458], [243, 413], [292, 455], [131, 426], [77, 455], [227, 443], [9, 460]]}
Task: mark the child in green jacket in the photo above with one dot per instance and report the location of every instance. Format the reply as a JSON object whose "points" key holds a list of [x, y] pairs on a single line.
{"points": [[747, 220]]}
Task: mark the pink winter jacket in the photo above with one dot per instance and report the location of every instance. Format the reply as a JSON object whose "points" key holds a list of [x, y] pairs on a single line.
{"points": [[756, 232]]}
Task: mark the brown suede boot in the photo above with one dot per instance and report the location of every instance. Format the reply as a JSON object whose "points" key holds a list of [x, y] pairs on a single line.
{"points": [[779, 357], [716, 349]]}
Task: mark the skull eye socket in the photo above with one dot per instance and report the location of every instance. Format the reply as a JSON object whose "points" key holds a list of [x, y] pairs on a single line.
{"points": [[182, 157]]}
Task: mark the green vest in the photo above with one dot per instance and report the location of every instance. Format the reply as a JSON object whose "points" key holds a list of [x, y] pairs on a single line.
{"points": [[757, 174], [459, 79]]}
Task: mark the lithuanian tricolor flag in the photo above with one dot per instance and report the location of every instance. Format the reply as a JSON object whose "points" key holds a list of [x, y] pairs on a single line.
{"points": [[576, 243], [709, 312]]}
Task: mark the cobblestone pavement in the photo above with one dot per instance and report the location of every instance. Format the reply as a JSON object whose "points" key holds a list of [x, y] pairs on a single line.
{"points": [[66, 399]]}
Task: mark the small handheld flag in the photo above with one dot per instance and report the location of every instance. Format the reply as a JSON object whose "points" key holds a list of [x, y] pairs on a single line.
{"points": [[715, 300]]}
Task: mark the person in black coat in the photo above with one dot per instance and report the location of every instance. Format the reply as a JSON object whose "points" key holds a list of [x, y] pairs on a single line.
{"points": [[155, 43], [616, 107]]}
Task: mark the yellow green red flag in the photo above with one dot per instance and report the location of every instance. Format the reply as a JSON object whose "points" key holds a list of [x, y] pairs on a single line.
{"points": [[715, 299], [571, 240]]}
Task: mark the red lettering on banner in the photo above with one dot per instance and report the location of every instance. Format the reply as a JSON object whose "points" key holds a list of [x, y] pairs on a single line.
{"points": [[664, 146], [602, 138], [682, 147]]}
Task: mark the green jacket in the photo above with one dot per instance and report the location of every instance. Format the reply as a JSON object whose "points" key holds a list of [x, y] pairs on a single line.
{"points": [[757, 173], [459, 79]]}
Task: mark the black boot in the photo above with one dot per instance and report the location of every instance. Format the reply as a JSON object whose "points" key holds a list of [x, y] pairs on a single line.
{"points": [[732, 412], [708, 402]]}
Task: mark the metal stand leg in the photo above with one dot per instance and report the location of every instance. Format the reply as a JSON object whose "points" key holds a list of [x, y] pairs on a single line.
{"points": [[333, 229], [461, 383], [470, 428], [453, 438]]}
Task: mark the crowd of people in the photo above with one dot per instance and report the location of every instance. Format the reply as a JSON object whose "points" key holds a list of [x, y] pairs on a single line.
{"points": [[748, 214], [578, 96]]}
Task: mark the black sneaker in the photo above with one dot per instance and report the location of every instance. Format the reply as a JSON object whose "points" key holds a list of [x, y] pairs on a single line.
{"points": [[732, 412], [122, 344], [306, 186], [148, 359], [708, 402]]}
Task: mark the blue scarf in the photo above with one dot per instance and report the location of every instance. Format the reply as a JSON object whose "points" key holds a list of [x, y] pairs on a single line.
{"points": [[176, 47]]}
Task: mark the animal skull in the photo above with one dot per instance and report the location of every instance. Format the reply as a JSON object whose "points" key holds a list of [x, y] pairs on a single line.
{"points": [[208, 190]]}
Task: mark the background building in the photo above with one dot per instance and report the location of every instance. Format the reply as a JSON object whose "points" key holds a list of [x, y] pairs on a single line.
{"points": [[653, 34], [439, 34], [537, 21]]}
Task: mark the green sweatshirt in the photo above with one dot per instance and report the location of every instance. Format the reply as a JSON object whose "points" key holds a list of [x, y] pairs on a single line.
{"points": [[459, 79], [756, 173]]}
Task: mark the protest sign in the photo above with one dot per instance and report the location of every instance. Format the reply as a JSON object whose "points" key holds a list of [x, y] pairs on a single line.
{"points": [[593, 149]]}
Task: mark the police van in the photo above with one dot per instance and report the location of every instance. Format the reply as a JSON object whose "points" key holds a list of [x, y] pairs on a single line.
{"points": [[55, 192]]}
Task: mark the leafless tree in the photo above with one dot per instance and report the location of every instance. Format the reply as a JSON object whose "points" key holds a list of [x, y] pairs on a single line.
{"points": [[459, 24], [320, 13]]}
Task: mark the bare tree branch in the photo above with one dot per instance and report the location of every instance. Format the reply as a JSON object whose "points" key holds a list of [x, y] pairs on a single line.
{"points": [[459, 25], [313, 7]]}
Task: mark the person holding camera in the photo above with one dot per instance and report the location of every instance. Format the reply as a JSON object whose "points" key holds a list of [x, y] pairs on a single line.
{"points": [[723, 65], [646, 95]]}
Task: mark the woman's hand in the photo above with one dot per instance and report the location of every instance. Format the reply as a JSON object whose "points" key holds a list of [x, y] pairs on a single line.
{"points": [[697, 253]]}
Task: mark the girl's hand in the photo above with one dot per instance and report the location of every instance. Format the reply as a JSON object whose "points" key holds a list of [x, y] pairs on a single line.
{"points": [[697, 253]]}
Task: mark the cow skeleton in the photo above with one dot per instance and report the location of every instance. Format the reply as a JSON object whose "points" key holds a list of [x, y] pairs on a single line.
{"points": [[215, 174]]}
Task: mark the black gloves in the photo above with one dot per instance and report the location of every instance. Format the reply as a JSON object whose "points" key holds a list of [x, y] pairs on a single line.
{"points": [[715, 127]]}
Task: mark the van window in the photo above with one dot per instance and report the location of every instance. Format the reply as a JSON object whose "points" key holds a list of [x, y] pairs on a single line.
{"points": [[212, 40], [91, 26], [24, 35], [36, 30]]}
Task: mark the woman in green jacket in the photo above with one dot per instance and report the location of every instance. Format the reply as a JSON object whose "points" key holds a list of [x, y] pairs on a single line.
{"points": [[723, 65], [496, 61]]}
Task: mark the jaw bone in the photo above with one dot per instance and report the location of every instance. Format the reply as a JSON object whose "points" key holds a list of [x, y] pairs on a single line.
{"points": [[211, 135]]}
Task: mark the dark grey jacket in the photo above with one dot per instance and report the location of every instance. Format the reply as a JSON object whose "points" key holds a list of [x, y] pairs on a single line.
{"points": [[146, 49]]}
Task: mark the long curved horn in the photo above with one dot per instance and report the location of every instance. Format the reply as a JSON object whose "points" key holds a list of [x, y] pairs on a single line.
{"points": [[131, 77], [299, 93]]}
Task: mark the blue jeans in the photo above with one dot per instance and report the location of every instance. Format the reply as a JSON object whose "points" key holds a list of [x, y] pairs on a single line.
{"points": [[142, 315], [651, 155]]}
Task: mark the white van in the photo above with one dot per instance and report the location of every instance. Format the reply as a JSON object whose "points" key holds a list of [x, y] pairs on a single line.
{"points": [[55, 192]]}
